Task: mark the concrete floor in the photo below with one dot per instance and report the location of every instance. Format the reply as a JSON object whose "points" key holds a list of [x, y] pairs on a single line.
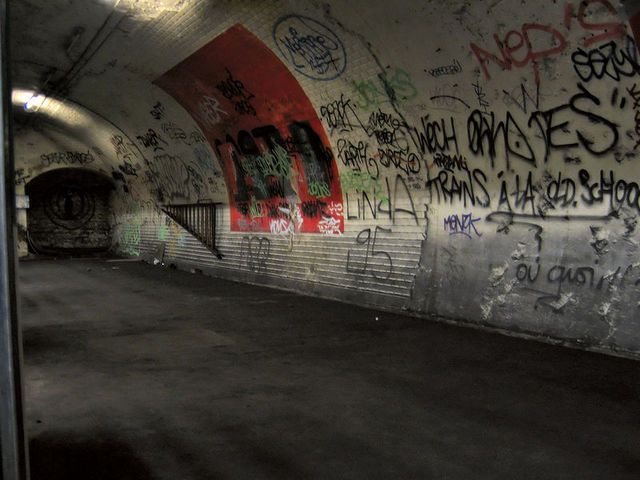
{"points": [[138, 372]]}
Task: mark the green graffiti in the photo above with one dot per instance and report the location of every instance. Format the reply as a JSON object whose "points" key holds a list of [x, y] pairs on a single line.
{"points": [[319, 189], [386, 88], [276, 163], [129, 240], [363, 182], [162, 233], [256, 209]]}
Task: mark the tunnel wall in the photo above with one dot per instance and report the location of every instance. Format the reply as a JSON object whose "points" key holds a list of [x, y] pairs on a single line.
{"points": [[69, 211], [471, 161]]}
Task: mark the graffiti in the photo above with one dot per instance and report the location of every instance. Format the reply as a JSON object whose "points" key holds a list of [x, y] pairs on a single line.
{"points": [[276, 163], [435, 136], [162, 233], [281, 226], [124, 151], [128, 169], [357, 180], [151, 139], [171, 177], [392, 152], [635, 96], [316, 159], [21, 176], [521, 98], [362, 182], [354, 156], [387, 130], [256, 209], [528, 273], [178, 135], [467, 186], [209, 111], [319, 189], [451, 69], [561, 191], [313, 208], [267, 175], [196, 179], [337, 115], [371, 253], [202, 156], [447, 96], [69, 206], [255, 251], [450, 162], [234, 90], [448, 101], [289, 225], [408, 163], [330, 226], [607, 189], [463, 224], [581, 104], [609, 30], [310, 47], [273, 174], [278, 158], [157, 111], [523, 194], [534, 42], [577, 276], [393, 209], [395, 89], [335, 209], [509, 47], [377, 205], [67, 158], [129, 239], [608, 60], [456, 183], [481, 96], [484, 135]]}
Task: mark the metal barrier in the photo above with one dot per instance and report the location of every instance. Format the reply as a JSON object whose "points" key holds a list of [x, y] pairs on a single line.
{"points": [[199, 219]]}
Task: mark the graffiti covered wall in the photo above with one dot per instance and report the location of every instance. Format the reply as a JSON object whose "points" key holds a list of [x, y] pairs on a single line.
{"points": [[491, 181], [277, 163], [471, 161]]}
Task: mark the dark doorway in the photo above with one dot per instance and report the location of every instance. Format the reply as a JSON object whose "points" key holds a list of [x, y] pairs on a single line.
{"points": [[69, 212]]}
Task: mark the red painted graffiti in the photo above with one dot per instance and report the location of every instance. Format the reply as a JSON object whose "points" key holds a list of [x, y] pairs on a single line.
{"points": [[516, 43], [279, 169], [608, 30], [523, 48]]}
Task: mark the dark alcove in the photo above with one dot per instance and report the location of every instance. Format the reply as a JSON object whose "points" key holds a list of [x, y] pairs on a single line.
{"points": [[69, 212]]}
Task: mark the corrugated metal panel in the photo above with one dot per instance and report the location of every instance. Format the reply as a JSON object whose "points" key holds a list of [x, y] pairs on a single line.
{"points": [[337, 261]]}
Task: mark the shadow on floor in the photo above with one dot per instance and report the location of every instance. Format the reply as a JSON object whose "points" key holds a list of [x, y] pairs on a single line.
{"points": [[60, 456]]}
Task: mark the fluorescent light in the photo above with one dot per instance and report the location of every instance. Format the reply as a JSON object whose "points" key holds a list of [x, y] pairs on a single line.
{"points": [[34, 103]]}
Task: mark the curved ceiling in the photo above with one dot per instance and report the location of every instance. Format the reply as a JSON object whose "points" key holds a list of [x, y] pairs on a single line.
{"points": [[82, 74]]}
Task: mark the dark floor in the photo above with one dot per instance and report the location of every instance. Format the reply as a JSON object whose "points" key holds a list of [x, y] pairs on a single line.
{"points": [[137, 372]]}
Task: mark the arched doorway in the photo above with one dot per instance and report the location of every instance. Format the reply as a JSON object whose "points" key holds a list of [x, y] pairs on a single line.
{"points": [[69, 212]]}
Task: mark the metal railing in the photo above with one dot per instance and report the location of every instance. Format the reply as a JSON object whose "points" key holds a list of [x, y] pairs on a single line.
{"points": [[199, 219]]}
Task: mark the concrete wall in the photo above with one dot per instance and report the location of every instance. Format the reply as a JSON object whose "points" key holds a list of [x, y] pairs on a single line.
{"points": [[470, 160]]}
